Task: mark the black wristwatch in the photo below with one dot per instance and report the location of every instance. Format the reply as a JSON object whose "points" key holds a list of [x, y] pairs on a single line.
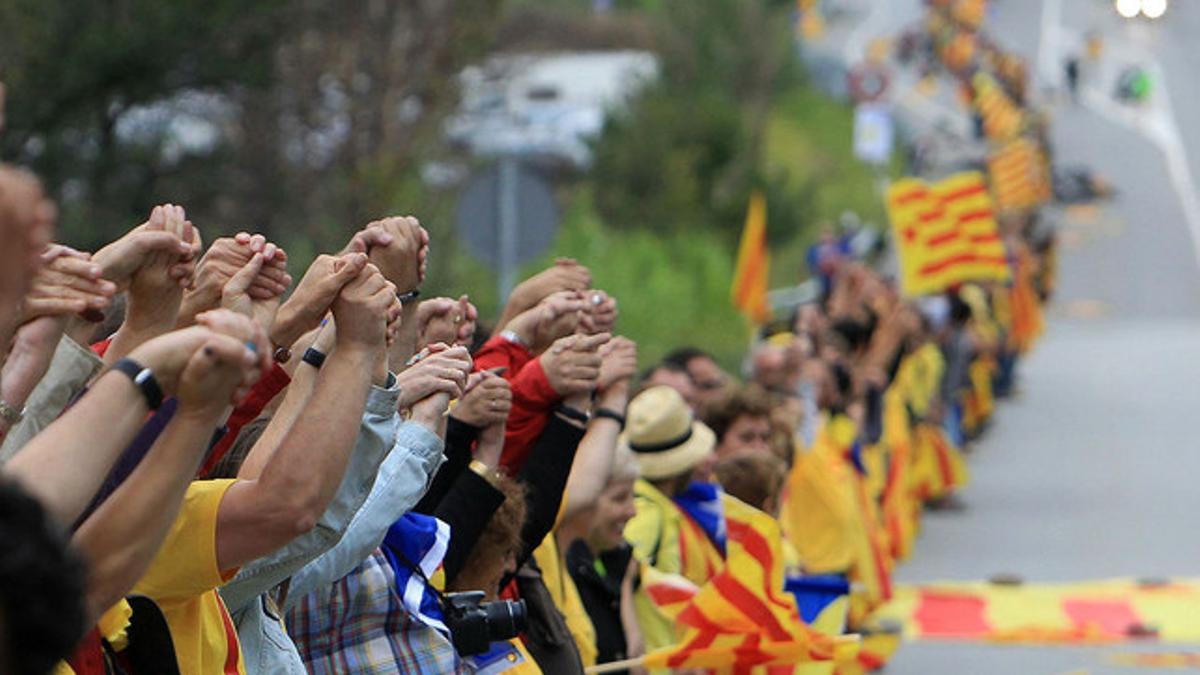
{"points": [[313, 357], [143, 378]]}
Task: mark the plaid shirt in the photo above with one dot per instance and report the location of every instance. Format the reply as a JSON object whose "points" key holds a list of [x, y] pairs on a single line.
{"points": [[359, 625]]}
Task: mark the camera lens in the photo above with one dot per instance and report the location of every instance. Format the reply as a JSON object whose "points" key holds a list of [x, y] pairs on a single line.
{"points": [[506, 618]]}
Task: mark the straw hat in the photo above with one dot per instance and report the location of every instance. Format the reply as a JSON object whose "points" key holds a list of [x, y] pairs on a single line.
{"points": [[663, 435]]}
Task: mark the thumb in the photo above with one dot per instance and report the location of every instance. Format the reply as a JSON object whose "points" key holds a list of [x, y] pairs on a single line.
{"points": [[352, 265], [239, 283], [150, 241]]}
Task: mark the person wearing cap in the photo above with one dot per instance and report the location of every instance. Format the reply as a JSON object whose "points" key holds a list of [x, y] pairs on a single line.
{"points": [[672, 449]]}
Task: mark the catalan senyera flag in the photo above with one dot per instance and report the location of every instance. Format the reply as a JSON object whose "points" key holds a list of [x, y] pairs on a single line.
{"points": [[670, 593], [743, 618], [968, 205], [750, 277], [1020, 175], [946, 233], [906, 201], [1002, 118], [1105, 611]]}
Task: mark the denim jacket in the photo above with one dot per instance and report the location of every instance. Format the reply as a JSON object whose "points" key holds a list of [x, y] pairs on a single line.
{"points": [[415, 454]]}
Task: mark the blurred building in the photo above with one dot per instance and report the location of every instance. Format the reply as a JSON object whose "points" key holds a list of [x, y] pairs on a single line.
{"points": [[545, 107]]}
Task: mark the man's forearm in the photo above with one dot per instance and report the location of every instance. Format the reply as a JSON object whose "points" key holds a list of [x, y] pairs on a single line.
{"points": [[295, 487], [65, 464], [122, 537]]}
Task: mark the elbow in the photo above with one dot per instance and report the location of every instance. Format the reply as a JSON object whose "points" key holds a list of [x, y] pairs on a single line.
{"points": [[291, 518]]}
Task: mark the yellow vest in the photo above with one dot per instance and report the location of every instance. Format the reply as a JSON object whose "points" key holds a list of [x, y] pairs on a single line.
{"points": [[565, 595], [664, 537]]}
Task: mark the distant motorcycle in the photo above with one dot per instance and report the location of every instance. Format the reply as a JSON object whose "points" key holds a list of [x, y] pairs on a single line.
{"points": [[1078, 185], [1133, 85]]}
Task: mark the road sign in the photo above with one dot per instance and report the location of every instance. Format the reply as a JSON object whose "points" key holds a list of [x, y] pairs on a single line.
{"points": [[873, 132], [506, 216]]}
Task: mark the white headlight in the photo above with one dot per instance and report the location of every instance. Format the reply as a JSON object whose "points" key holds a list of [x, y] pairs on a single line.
{"points": [[1154, 8], [1128, 8]]}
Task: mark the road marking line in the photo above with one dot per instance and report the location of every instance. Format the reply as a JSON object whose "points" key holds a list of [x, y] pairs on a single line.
{"points": [[1158, 125]]}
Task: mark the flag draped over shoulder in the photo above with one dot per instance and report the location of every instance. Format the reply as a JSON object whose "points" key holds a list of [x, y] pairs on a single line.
{"points": [[418, 541], [750, 278], [742, 617]]}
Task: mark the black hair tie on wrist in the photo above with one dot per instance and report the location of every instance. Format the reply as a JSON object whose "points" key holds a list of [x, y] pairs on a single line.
{"points": [[143, 378], [610, 414]]}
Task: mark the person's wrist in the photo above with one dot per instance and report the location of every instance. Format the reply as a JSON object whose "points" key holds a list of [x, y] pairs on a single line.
{"points": [[159, 364], [614, 397], [360, 344], [148, 315], [429, 411]]}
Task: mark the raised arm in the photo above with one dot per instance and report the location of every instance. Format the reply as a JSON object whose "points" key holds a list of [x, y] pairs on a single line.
{"points": [[121, 538], [258, 516], [593, 460]]}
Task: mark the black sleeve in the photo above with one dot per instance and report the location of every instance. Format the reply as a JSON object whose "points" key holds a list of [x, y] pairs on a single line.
{"points": [[467, 508], [545, 478], [460, 436], [873, 419]]}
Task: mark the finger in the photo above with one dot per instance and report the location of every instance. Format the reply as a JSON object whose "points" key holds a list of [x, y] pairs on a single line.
{"points": [[242, 238], [229, 351], [589, 343], [352, 264], [157, 219], [257, 242], [56, 306], [269, 251], [239, 283]]}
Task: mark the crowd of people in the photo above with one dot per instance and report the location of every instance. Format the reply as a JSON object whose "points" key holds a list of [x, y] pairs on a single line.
{"points": [[212, 466]]}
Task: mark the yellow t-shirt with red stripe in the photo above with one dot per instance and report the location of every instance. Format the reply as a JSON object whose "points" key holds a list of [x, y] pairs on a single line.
{"points": [[183, 581]]}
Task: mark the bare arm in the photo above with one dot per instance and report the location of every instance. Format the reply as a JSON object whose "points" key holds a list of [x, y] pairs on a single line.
{"points": [[258, 516], [65, 464]]}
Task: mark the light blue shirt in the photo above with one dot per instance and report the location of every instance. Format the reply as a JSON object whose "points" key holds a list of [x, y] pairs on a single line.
{"points": [[375, 480]]}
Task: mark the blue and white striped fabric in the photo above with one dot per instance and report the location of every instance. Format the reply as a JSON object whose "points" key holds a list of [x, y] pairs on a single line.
{"points": [[419, 540]]}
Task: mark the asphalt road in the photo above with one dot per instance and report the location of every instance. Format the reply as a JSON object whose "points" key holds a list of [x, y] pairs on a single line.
{"points": [[1091, 471]]}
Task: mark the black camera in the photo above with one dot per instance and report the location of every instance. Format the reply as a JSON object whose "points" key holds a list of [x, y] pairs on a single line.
{"points": [[474, 624]]}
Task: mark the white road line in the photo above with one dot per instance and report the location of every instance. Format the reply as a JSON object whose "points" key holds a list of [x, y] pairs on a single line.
{"points": [[1159, 126], [1157, 123]]}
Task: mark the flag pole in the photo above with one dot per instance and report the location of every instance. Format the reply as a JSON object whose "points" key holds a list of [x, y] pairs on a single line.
{"points": [[615, 666]]}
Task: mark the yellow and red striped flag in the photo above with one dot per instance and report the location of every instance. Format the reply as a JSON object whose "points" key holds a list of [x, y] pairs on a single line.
{"points": [[743, 618], [1020, 176], [750, 277], [906, 201], [968, 206], [946, 233], [1002, 118]]}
